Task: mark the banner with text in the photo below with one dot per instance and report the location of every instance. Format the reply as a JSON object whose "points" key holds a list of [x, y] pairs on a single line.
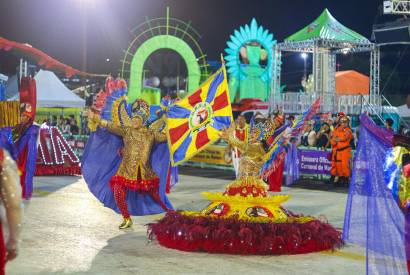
{"points": [[313, 162]]}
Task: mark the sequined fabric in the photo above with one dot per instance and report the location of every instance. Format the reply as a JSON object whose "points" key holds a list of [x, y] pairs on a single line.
{"points": [[120, 192], [136, 152], [251, 157], [10, 194], [136, 185]]}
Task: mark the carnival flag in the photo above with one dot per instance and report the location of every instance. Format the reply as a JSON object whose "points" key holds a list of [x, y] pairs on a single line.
{"points": [[195, 122]]}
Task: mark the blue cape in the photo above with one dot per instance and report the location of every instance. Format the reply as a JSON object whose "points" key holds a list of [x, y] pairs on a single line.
{"points": [[101, 161]]}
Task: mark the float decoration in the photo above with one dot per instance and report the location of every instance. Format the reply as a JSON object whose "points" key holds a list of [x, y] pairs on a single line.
{"points": [[245, 220], [55, 155], [162, 33], [253, 43]]}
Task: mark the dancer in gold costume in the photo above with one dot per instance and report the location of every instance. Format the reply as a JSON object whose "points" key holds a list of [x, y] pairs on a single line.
{"points": [[245, 219], [134, 185]]}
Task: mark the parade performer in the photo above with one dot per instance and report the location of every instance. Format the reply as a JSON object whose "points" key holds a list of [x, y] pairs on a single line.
{"points": [[377, 210], [10, 196], [126, 162], [276, 177], [340, 141], [25, 136], [397, 177], [22, 135], [241, 133], [244, 219]]}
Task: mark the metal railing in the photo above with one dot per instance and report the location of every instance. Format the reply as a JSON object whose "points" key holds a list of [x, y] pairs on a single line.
{"points": [[352, 105], [295, 103]]}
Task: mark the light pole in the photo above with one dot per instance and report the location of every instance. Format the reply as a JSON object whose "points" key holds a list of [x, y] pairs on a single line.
{"points": [[143, 77], [304, 56]]}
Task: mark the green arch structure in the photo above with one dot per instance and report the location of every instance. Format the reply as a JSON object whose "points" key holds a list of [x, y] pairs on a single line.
{"points": [[157, 43]]}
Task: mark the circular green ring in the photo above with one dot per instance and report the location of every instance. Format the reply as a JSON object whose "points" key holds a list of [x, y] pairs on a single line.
{"points": [[156, 43]]}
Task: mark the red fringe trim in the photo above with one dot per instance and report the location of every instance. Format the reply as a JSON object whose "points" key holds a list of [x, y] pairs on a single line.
{"points": [[138, 185], [233, 236], [57, 170]]}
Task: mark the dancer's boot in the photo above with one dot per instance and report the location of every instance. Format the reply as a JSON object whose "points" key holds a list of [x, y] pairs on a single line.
{"points": [[126, 223]]}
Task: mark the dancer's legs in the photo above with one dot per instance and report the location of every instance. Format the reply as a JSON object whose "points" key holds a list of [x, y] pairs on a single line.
{"points": [[120, 193]]}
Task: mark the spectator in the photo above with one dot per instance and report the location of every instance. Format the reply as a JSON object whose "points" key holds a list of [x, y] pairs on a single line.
{"points": [[61, 123], [304, 138], [74, 127], [66, 127], [53, 121], [312, 135], [309, 137], [389, 124], [323, 137], [330, 123]]}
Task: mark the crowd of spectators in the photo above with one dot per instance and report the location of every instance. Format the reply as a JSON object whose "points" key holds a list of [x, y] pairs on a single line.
{"points": [[67, 125], [319, 132]]}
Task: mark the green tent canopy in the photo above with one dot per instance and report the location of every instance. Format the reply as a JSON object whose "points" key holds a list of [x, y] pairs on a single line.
{"points": [[326, 27]]}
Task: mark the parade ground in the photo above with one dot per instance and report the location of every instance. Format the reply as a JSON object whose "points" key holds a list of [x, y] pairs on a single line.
{"points": [[68, 231]]}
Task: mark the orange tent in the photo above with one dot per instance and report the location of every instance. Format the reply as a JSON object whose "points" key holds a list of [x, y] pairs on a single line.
{"points": [[352, 83]]}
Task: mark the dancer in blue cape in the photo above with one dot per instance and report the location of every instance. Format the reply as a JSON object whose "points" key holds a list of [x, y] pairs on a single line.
{"points": [[126, 161]]}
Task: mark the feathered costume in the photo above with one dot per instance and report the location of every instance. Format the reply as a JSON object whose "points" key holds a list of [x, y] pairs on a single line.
{"points": [[127, 168], [245, 219]]}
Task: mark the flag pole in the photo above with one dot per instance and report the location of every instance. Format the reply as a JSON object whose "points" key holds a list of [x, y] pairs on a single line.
{"points": [[222, 60]]}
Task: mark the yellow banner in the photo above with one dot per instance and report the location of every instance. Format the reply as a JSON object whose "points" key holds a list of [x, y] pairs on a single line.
{"points": [[214, 154]]}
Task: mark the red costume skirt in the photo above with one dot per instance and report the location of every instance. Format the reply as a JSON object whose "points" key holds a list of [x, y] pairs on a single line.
{"points": [[136, 185], [119, 186]]}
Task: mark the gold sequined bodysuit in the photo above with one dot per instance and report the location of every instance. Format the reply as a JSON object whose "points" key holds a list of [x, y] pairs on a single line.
{"points": [[136, 152]]}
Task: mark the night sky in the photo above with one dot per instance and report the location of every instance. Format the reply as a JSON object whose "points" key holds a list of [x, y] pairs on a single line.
{"points": [[84, 33]]}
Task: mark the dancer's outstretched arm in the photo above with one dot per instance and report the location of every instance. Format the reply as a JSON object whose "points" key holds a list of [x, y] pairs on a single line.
{"points": [[228, 135], [110, 126], [113, 128]]}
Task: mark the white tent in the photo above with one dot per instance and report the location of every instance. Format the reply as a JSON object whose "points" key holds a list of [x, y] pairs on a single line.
{"points": [[51, 92], [404, 111]]}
